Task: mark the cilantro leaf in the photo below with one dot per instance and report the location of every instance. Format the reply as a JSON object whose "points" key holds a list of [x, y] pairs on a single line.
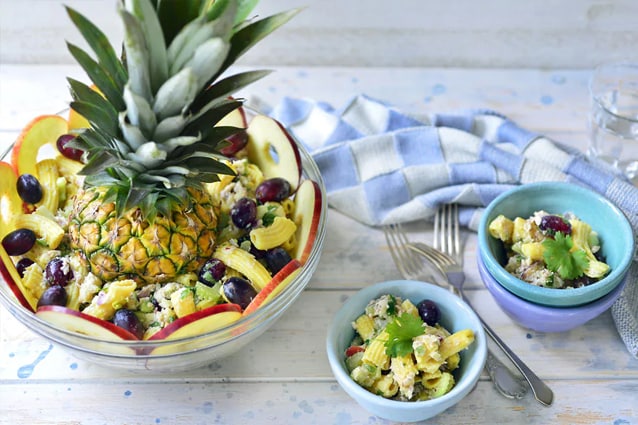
{"points": [[559, 257], [401, 331]]}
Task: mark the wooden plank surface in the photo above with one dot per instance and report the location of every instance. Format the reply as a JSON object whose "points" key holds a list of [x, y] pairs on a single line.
{"points": [[284, 376]]}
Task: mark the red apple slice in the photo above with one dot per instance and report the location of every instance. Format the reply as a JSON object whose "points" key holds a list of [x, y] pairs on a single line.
{"points": [[42, 130], [274, 150], [308, 203], [277, 284], [236, 118], [198, 323], [76, 321], [11, 277]]}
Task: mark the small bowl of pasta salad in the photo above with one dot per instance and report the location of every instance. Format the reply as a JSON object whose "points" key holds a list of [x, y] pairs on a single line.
{"points": [[406, 350], [555, 244]]}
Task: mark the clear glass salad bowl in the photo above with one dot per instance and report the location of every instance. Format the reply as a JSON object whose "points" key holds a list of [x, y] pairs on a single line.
{"points": [[187, 352]]}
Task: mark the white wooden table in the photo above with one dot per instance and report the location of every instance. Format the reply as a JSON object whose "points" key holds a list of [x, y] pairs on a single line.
{"points": [[284, 377]]}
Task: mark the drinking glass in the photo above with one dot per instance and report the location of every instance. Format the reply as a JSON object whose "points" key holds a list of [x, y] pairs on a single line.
{"points": [[613, 119]]}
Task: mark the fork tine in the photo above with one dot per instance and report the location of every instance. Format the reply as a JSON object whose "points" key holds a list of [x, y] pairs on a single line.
{"points": [[406, 260]]}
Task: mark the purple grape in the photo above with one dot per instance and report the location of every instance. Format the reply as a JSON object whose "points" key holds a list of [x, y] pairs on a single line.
{"points": [[244, 213], [22, 265], [239, 291], [127, 320], [58, 272], [276, 259], [429, 312], [245, 239], [29, 188], [53, 295], [237, 141], [72, 153], [19, 241], [212, 271], [551, 224], [276, 189]]}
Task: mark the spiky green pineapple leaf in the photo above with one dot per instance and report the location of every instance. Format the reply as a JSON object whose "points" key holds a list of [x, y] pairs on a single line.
{"points": [[82, 92], [207, 118], [174, 14], [99, 76], [97, 116], [254, 32], [244, 8], [101, 46], [225, 88], [151, 27]]}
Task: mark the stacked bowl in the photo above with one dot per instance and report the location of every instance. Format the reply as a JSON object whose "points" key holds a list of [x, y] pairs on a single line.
{"points": [[547, 309]]}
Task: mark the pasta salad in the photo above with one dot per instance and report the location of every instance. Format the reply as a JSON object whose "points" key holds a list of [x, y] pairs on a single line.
{"points": [[401, 352], [551, 250]]}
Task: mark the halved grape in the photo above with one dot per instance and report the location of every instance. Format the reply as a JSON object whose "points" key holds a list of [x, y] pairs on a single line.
{"points": [[239, 291], [276, 259], [72, 153], [53, 295], [244, 213], [19, 241], [58, 272], [237, 141], [29, 188], [127, 320], [551, 224], [429, 312], [22, 265], [212, 271], [275, 189]]}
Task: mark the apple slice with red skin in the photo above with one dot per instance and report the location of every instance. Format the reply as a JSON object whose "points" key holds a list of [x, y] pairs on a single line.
{"points": [[235, 118], [266, 135], [198, 323], [85, 324], [273, 288], [42, 130], [308, 203], [11, 277]]}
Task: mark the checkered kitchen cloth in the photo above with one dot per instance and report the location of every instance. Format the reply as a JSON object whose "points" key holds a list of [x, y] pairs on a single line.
{"points": [[383, 166]]}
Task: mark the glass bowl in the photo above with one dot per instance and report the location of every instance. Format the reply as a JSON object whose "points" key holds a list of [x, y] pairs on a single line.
{"points": [[189, 352]]}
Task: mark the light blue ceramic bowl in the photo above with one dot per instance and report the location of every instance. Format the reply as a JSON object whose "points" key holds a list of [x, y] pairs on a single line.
{"points": [[614, 230], [542, 318], [455, 315]]}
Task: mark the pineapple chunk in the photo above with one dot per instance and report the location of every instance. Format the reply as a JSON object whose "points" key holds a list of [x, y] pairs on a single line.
{"points": [[43, 226], [520, 231], [533, 250], [502, 228]]}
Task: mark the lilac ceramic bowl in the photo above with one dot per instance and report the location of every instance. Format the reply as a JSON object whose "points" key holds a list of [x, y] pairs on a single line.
{"points": [[542, 318]]}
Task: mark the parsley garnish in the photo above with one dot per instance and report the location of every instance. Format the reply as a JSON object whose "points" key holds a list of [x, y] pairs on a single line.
{"points": [[401, 331], [392, 306], [559, 257]]}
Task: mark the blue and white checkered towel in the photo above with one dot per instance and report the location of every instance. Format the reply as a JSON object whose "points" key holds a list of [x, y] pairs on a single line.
{"points": [[383, 166]]}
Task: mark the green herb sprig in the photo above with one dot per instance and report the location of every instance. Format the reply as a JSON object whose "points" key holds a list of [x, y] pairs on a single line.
{"points": [[402, 330], [560, 258]]}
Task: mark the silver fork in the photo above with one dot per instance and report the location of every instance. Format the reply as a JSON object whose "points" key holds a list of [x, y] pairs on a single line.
{"points": [[450, 261], [412, 267]]}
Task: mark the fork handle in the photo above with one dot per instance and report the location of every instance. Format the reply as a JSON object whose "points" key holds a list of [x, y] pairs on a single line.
{"points": [[541, 391]]}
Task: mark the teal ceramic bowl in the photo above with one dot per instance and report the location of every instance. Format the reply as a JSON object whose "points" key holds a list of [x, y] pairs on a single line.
{"points": [[455, 315], [613, 228]]}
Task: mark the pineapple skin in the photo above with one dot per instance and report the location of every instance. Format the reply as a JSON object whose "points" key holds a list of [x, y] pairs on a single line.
{"points": [[131, 247]]}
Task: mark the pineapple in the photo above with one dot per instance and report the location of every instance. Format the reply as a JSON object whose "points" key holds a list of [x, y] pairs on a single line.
{"points": [[143, 212]]}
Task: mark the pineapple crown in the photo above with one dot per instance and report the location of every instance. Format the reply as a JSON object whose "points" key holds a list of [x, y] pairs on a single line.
{"points": [[152, 119]]}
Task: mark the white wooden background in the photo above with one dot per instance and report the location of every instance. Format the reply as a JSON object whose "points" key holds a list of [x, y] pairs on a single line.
{"points": [[397, 33]]}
